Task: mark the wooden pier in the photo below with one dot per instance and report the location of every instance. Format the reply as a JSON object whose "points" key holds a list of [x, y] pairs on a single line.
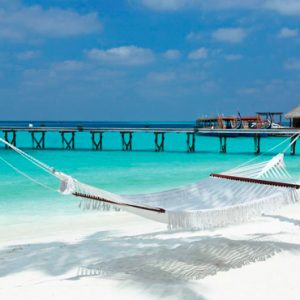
{"points": [[68, 139], [10, 136], [38, 139], [68, 136], [191, 141], [126, 140], [159, 141], [97, 140]]}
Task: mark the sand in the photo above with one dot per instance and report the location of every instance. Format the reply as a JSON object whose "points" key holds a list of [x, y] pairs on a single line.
{"points": [[115, 255]]}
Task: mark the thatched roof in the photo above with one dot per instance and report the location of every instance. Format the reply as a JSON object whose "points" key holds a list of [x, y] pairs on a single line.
{"points": [[295, 113]]}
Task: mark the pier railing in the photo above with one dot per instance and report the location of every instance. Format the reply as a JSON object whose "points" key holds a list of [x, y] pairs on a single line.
{"points": [[68, 136]]}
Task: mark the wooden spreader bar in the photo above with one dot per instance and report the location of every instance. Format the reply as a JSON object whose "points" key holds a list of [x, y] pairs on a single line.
{"points": [[158, 209], [258, 181]]}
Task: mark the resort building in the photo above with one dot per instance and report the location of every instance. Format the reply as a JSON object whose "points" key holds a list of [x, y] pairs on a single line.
{"points": [[294, 117]]}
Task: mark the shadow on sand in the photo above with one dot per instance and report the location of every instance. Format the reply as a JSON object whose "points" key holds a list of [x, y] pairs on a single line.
{"points": [[146, 260], [142, 257]]}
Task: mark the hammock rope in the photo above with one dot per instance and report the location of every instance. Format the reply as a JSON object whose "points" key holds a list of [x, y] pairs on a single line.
{"points": [[30, 158], [17, 170], [231, 197], [294, 138]]}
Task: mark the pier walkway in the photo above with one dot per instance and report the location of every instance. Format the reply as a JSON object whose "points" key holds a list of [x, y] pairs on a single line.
{"points": [[68, 136]]}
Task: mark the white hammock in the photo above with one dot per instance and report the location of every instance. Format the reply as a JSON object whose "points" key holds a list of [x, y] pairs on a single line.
{"points": [[231, 197]]}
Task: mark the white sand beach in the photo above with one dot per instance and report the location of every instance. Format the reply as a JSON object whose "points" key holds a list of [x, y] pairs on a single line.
{"points": [[170, 115], [115, 255]]}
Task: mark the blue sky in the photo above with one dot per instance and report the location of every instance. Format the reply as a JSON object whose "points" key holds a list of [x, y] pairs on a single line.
{"points": [[147, 59]]}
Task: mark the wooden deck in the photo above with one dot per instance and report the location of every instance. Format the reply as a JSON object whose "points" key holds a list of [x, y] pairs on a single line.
{"points": [[68, 134]]}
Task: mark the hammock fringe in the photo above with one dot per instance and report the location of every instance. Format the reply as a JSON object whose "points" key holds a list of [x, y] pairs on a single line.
{"points": [[87, 204], [236, 196], [220, 200], [207, 219]]}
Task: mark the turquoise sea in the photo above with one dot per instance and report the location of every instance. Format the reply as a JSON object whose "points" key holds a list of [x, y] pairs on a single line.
{"points": [[141, 170]]}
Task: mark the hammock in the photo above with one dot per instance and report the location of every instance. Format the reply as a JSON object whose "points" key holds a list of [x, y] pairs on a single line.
{"points": [[222, 199]]}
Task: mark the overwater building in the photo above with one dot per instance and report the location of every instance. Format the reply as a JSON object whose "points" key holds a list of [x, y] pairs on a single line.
{"points": [[294, 117]]}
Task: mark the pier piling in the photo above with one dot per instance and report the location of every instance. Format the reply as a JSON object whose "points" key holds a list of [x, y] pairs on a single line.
{"points": [[10, 136], [293, 145], [68, 140], [159, 141], [38, 142], [191, 139], [223, 144], [38, 136], [257, 144], [126, 144], [97, 140]]}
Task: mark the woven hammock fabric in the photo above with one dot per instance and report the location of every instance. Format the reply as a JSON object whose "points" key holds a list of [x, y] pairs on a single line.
{"points": [[231, 197], [235, 196]]}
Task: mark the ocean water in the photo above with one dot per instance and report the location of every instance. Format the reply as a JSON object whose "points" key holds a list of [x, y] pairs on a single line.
{"points": [[141, 170]]}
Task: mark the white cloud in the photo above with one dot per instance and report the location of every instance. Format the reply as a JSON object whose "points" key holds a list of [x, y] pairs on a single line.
{"points": [[292, 64], [248, 91], [175, 5], [230, 35], [233, 57], [194, 36], [18, 21], [28, 55], [69, 66], [125, 55], [287, 33], [285, 7], [172, 54], [200, 53]]}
